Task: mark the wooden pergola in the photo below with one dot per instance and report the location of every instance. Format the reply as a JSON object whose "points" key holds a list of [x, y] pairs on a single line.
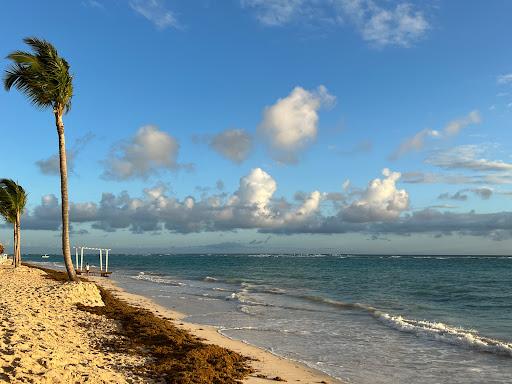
{"points": [[80, 270]]}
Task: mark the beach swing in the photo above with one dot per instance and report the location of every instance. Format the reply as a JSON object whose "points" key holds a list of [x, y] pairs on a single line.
{"points": [[104, 272]]}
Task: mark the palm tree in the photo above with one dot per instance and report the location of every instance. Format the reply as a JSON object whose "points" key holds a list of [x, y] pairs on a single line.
{"points": [[13, 199], [43, 76]]}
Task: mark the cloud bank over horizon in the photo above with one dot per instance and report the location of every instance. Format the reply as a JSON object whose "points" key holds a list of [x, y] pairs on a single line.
{"points": [[379, 209]]}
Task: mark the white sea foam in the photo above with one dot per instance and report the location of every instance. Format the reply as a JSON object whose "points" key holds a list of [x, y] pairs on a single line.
{"points": [[210, 279], [243, 298], [467, 338], [157, 279], [274, 290], [438, 331], [262, 288], [221, 289], [249, 309]]}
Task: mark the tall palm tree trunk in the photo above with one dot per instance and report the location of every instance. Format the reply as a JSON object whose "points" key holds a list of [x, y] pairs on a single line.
{"points": [[18, 239], [14, 246], [64, 197]]}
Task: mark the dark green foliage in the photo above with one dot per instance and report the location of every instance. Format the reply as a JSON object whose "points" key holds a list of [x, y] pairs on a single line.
{"points": [[13, 199], [43, 76]]}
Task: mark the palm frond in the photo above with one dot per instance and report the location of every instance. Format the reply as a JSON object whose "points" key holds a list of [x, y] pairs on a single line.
{"points": [[13, 199], [43, 76], [41, 46]]}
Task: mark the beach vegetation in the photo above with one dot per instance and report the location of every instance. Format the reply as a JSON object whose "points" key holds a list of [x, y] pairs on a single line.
{"points": [[44, 78], [13, 200]]}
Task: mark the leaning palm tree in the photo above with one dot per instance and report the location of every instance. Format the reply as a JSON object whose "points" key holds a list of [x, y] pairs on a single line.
{"points": [[13, 199], [43, 76]]}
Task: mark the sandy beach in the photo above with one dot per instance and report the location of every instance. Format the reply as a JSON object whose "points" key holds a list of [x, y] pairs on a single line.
{"points": [[45, 338], [42, 334]]}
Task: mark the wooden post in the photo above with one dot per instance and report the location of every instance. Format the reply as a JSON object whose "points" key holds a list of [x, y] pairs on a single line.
{"points": [[76, 257], [106, 260], [101, 259], [82, 259]]}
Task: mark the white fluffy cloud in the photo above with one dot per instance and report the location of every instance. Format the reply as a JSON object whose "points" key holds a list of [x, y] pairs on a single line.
{"points": [[256, 189], [292, 122], [453, 128], [309, 207], [380, 201], [156, 12], [233, 144], [147, 152]]}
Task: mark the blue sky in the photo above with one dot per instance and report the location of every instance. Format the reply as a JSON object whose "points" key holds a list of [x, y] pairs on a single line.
{"points": [[359, 126]]}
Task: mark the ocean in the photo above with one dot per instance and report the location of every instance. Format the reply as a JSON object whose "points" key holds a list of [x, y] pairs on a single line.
{"points": [[362, 319]]}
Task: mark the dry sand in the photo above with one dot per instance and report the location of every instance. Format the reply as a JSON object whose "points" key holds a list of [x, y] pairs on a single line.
{"points": [[266, 364], [44, 338]]}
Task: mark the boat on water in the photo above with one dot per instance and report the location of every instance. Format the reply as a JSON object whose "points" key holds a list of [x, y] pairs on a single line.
{"points": [[45, 256]]}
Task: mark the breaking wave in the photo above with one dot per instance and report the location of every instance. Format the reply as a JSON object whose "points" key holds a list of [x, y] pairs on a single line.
{"points": [[157, 278], [467, 338], [447, 334]]}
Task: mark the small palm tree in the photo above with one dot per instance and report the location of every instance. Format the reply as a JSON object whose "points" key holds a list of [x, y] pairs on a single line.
{"points": [[43, 76], [13, 199]]}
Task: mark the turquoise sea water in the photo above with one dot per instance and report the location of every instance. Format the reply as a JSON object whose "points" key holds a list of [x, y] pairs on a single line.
{"points": [[364, 319]]}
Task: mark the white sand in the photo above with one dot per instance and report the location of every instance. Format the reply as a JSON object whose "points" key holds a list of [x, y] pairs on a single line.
{"points": [[42, 334]]}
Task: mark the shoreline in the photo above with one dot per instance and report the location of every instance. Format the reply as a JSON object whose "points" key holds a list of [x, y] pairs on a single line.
{"points": [[269, 366]]}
